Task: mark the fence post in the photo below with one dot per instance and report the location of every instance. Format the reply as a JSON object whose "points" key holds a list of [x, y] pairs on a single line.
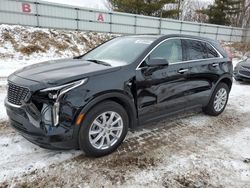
{"points": [[199, 30], [217, 32], [181, 28], [160, 25], [37, 14], [231, 34], [244, 37], [135, 24], [110, 22], [77, 19]]}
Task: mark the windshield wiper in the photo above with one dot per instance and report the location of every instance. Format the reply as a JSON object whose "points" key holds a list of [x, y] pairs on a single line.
{"points": [[98, 62]]}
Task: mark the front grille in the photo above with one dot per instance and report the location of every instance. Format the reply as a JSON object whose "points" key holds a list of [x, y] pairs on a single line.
{"points": [[16, 94], [245, 73]]}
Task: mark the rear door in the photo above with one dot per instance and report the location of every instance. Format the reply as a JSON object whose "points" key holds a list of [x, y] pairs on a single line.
{"points": [[204, 70], [161, 89]]}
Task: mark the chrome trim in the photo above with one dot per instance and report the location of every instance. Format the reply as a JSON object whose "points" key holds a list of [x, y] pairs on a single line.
{"points": [[10, 104], [61, 86], [180, 62], [215, 64], [182, 70], [70, 88]]}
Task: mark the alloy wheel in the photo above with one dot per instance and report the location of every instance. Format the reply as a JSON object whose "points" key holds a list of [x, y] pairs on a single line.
{"points": [[105, 130], [220, 99]]}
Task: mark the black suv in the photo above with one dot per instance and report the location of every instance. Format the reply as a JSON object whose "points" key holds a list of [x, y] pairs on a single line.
{"points": [[92, 100]]}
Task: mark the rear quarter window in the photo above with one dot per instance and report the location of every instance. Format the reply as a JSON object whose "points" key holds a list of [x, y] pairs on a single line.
{"points": [[195, 49], [211, 52]]}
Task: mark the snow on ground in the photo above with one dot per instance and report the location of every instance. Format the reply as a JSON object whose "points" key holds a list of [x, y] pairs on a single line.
{"points": [[22, 44], [3, 115], [19, 156]]}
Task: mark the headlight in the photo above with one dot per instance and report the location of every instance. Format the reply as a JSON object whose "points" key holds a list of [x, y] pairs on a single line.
{"points": [[57, 92]]}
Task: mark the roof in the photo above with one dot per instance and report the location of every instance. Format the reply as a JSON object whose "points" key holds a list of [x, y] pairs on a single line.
{"points": [[157, 36]]}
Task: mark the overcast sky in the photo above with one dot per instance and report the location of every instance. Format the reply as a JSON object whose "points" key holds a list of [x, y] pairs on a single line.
{"points": [[96, 4]]}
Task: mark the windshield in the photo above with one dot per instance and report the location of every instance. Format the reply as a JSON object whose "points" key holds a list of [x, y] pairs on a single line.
{"points": [[119, 51]]}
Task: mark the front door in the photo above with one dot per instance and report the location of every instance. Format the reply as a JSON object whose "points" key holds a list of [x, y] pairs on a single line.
{"points": [[161, 89]]}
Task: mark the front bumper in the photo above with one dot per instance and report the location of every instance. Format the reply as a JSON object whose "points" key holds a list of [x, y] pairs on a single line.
{"points": [[60, 137]]}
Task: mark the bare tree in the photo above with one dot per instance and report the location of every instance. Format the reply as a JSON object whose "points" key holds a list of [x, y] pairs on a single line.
{"points": [[192, 10], [243, 19]]}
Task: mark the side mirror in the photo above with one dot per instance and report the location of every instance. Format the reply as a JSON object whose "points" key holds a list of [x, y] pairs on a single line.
{"points": [[158, 62]]}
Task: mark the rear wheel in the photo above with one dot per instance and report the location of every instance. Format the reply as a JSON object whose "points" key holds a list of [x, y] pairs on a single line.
{"points": [[103, 129], [218, 100]]}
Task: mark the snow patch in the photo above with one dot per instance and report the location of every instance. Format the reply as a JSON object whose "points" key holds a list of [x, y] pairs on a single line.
{"points": [[238, 144], [19, 156]]}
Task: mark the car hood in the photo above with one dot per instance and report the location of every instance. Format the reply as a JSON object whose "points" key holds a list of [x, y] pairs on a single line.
{"points": [[62, 71]]}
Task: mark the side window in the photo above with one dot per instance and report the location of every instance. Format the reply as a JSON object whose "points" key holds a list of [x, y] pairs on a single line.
{"points": [[195, 50], [211, 52], [170, 50]]}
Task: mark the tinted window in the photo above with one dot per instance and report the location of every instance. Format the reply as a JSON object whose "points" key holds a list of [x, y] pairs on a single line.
{"points": [[211, 52], [170, 50], [195, 49]]}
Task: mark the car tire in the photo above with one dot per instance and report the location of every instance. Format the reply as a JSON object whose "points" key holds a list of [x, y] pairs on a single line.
{"points": [[221, 91], [97, 128]]}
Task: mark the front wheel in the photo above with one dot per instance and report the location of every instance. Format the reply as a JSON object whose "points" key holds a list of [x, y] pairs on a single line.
{"points": [[218, 100], [103, 129]]}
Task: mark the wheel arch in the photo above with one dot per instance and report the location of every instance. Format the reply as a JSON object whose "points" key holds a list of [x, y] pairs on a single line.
{"points": [[126, 101], [226, 78], [227, 81]]}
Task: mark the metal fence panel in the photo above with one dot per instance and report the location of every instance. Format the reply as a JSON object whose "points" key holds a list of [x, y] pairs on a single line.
{"points": [[145, 30], [57, 23], [224, 31], [208, 29], [13, 6], [124, 29], [93, 16], [190, 27], [145, 21], [207, 35], [170, 25], [92, 26], [168, 31], [47, 10], [28, 20], [44, 14], [123, 19]]}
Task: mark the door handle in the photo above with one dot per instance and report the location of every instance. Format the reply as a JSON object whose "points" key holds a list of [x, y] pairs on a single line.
{"points": [[181, 71], [215, 64]]}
